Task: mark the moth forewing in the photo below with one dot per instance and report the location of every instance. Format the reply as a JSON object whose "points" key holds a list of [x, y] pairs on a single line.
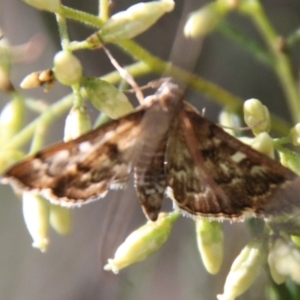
{"points": [[253, 183], [83, 169]]}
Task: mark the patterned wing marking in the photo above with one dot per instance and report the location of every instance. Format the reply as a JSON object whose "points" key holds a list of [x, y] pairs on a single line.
{"points": [[83, 169], [252, 182]]}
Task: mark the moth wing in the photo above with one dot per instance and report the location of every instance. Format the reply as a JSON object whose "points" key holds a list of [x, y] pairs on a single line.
{"points": [[82, 169], [252, 183]]}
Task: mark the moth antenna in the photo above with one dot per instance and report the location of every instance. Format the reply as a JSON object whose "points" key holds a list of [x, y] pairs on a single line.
{"points": [[154, 84], [126, 76]]}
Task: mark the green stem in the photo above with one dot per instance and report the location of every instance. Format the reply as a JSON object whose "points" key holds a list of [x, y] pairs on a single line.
{"points": [[46, 118], [63, 31], [81, 17], [38, 138], [103, 10], [281, 64]]}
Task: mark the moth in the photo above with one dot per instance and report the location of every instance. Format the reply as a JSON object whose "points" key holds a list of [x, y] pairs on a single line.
{"points": [[170, 149]]}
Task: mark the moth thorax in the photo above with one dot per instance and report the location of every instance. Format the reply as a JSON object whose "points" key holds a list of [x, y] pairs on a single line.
{"points": [[169, 96]]}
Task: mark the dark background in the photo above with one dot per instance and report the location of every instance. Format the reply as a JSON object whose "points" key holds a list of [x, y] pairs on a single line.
{"points": [[72, 266]]}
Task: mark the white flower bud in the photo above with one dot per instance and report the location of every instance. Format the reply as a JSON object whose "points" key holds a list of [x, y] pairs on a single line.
{"points": [[77, 123], [263, 143], [133, 21], [205, 20], [67, 68], [257, 116], [60, 219], [210, 241], [36, 216], [107, 98], [31, 81], [244, 270], [284, 258], [143, 242], [50, 5]]}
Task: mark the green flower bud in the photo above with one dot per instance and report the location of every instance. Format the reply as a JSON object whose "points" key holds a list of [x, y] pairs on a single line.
{"points": [[9, 158], [60, 219], [284, 258], [244, 270], [205, 20], [77, 123], [132, 22], [210, 241], [50, 5], [107, 98], [11, 119], [67, 68], [295, 134], [36, 216], [257, 116], [143, 242]]}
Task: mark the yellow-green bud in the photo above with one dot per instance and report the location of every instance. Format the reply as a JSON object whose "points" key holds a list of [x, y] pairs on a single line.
{"points": [[263, 143], [244, 270], [60, 219], [11, 119], [295, 134], [205, 20], [257, 116], [36, 216], [77, 123], [284, 257], [67, 68], [107, 98], [210, 240], [50, 5], [9, 158], [133, 21], [143, 242]]}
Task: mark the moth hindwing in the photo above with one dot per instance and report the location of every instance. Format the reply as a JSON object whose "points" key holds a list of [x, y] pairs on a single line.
{"points": [[170, 148]]}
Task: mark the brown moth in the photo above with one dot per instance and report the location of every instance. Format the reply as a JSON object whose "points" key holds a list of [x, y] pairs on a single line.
{"points": [[170, 148]]}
